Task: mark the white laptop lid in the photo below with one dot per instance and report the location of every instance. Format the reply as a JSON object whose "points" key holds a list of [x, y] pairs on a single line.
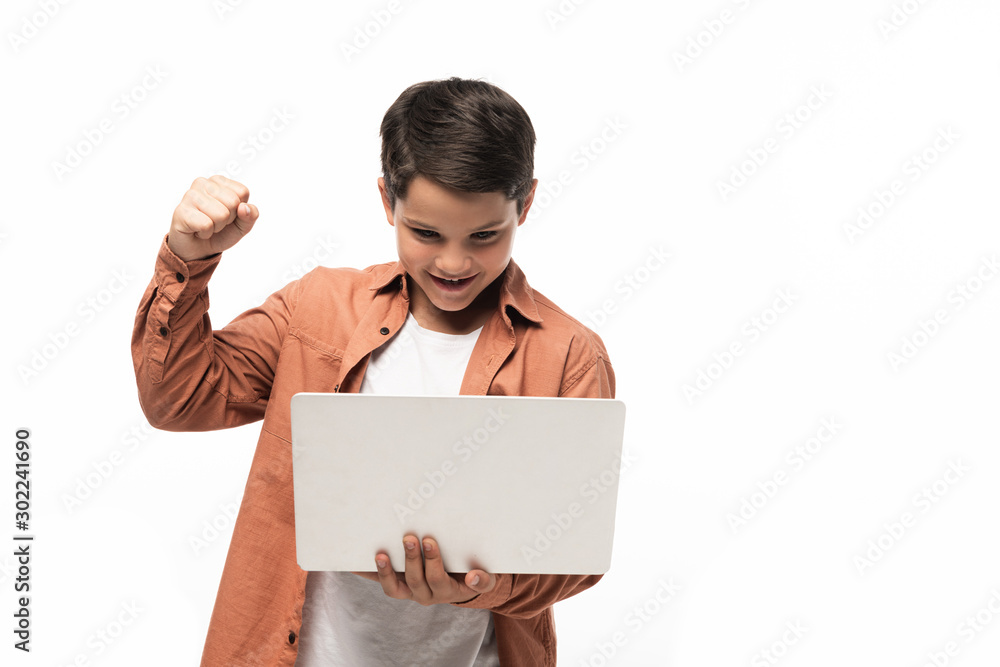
{"points": [[507, 484]]}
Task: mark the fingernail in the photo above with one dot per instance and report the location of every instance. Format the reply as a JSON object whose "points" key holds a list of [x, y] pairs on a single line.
{"points": [[380, 563], [475, 580], [409, 545], [427, 547]]}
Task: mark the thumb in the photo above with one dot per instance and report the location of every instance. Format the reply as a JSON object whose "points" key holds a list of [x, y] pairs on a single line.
{"points": [[247, 212], [480, 581], [246, 216]]}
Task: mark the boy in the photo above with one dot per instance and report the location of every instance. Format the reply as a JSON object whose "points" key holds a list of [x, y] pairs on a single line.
{"points": [[454, 315]]}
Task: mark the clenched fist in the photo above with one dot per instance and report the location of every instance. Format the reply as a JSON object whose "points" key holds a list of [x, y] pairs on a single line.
{"points": [[212, 216]]}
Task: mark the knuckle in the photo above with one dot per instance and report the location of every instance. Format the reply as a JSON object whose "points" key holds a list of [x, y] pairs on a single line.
{"points": [[200, 222], [231, 200], [194, 197], [218, 212], [189, 218]]}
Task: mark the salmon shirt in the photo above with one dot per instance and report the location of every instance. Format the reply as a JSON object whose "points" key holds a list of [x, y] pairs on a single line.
{"points": [[316, 334]]}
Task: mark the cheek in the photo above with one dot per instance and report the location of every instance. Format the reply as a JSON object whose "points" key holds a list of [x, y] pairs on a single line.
{"points": [[410, 251], [495, 256]]}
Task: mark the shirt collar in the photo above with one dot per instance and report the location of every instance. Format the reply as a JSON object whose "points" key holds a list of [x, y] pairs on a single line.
{"points": [[514, 291]]}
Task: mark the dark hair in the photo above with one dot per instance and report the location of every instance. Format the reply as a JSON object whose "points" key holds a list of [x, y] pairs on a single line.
{"points": [[462, 133]]}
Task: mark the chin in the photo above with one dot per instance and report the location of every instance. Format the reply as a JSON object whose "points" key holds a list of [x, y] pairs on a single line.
{"points": [[450, 308]]}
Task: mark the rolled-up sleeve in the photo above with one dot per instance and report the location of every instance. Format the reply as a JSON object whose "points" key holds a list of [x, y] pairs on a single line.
{"points": [[189, 377]]}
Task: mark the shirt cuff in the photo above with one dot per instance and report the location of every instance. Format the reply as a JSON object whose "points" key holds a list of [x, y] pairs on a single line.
{"points": [[176, 279], [496, 597]]}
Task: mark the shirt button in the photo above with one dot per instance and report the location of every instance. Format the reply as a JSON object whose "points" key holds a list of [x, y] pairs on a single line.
{"points": [[164, 331], [180, 277], [384, 331], [291, 637]]}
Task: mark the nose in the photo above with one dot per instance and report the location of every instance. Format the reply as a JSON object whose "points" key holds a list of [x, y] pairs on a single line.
{"points": [[453, 263]]}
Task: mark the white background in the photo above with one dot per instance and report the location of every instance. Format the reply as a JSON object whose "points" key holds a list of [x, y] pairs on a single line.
{"points": [[884, 79]]}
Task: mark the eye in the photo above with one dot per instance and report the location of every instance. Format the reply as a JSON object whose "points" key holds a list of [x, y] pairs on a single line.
{"points": [[425, 233], [484, 236]]}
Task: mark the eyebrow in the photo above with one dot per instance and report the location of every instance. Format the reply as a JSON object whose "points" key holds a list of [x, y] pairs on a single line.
{"points": [[431, 227]]}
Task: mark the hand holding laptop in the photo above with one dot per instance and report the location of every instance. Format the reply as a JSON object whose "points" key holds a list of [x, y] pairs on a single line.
{"points": [[424, 579]]}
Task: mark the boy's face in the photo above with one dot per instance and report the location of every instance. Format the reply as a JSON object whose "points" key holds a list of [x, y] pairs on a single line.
{"points": [[444, 234]]}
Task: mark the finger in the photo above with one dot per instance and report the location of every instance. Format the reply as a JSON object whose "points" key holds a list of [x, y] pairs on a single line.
{"points": [[480, 581], [414, 570], [228, 192], [217, 212], [189, 220], [242, 191], [246, 216], [231, 234], [439, 581], [391, 585]]}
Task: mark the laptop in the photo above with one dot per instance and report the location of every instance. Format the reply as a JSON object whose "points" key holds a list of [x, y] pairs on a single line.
{"points": [[507, 484]]}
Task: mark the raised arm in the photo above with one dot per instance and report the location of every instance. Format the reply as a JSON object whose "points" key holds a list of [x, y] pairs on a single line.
{"points": [[189, 377]]}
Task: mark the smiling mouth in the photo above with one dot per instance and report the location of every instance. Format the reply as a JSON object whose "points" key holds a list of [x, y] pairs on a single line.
{"points": [[452, 284]]}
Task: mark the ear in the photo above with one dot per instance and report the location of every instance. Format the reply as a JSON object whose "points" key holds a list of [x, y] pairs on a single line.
{"points": [[527, 202], [385, 201]]}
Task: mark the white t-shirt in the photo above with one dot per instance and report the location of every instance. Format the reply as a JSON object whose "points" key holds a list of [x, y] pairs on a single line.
{"points": [[348, 620]]}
